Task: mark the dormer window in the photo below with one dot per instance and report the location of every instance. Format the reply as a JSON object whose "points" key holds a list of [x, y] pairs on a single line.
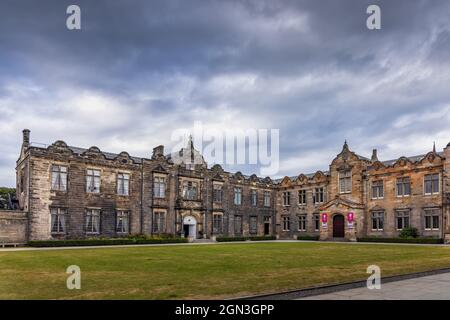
{"points": [[345, 181]]}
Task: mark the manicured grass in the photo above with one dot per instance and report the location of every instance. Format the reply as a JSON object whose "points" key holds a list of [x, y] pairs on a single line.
{"points": [[204, 271]]}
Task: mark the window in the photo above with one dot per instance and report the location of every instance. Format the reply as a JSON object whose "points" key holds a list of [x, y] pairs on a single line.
{"points": [[190, 190], [302, 197], [377, 190], [253, 225], [318, 195], [403, 187], [237, 225], [93, 181], [431, 183], [378, 220], [237, 196], [217, 223], [159, 187], [59, 178], [93, 221], [402, 219], [254, 197], [286, 198], [58, 220], [122, 222], [159, 222], [217, 193], [286, 223], [345, 181], [316, 218], [302, 222], [123, 184], [432, 219], [266, 199]]}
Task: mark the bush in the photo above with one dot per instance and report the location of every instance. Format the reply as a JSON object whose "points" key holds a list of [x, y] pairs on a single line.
{"points": [[255, 238], [103, 242], [308, 238], [409, 233], [402, 240]]}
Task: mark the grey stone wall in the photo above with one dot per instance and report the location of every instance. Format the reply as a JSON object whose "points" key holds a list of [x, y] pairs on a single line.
{"points": [[13, 226]]}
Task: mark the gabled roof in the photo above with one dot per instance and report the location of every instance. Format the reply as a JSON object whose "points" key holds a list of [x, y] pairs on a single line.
{"points": [[412, 159]]}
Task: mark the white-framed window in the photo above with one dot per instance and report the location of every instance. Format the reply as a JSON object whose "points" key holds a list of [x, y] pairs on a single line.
{"points": [[286, 198], [190, 190], [377, 220], [403, 219], [286, 223], [58, 220], [59, 178], [431, 184], [302, 222], [345, 181], [123, 184], [253, 225], [319, 195], [237, 196], [302, 197], [377, 189], [92, 221], [254, 197], [316, 219], [159, 222], [266, 198], [237, 225], [93, 181], [122, 222], [217, 193], [159, 187], [432, 217], [403, 187], [217, 223]]}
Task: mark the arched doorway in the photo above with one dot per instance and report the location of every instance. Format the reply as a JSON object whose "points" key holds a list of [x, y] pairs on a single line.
{"points": [[338, 226], [190, 227]]}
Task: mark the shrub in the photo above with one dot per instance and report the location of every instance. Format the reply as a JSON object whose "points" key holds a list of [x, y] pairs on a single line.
{"points": [[402, 240], [103, 242], [409, 233], [254, 238], [308, 238]]}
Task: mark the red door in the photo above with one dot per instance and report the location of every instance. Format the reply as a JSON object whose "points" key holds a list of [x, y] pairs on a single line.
{"points": [[338, 226]]}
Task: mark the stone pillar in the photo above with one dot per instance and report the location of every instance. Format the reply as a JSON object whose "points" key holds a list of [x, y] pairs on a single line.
{"points": [[446, 195]]}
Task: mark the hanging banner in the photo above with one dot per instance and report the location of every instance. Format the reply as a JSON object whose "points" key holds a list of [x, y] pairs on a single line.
{"points": [[350, 219], [324, 221]]}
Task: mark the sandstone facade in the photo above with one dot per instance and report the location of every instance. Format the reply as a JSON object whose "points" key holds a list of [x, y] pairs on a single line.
{"points": [[71, 192]]}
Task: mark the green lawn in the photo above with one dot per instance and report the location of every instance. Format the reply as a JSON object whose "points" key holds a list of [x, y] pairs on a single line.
{"points": [[204, 271]]}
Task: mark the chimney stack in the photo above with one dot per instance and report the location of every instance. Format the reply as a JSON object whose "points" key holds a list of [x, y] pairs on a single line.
{"points": [[374, 155], [158, 151], [26, 138]]}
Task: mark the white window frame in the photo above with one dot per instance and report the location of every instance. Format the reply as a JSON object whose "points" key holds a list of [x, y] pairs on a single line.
{"points": [[403, 195], [302, 219], [351, 182], [439, 184], [124, 216], [93, 181], [60, 181], [95, 215], [403, 219], [237, 196], [302, 203], [378, 188], [431, 215], [123, 184], [159, 222], [159, 187], [286, 198], [286, 220], [382, 217], [267, 199], [60, 215], [217, 223]]}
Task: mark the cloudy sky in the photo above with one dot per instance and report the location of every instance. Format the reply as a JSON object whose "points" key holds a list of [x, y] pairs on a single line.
{"points": [[138, 70]]}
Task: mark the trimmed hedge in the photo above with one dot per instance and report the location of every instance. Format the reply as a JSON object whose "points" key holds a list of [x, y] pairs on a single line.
{"points": [[308, 238], [402, 240], [102, 242], [234, 239]]}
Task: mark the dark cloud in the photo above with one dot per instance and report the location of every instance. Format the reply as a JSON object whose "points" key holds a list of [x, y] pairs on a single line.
{"points": [[140, 69]]}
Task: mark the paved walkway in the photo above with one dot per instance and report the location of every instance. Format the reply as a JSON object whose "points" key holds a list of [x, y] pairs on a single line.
{"points": [[435, 287]]}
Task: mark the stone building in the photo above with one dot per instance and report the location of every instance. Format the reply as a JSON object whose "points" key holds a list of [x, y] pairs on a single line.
{"points": [[70, 192]]}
